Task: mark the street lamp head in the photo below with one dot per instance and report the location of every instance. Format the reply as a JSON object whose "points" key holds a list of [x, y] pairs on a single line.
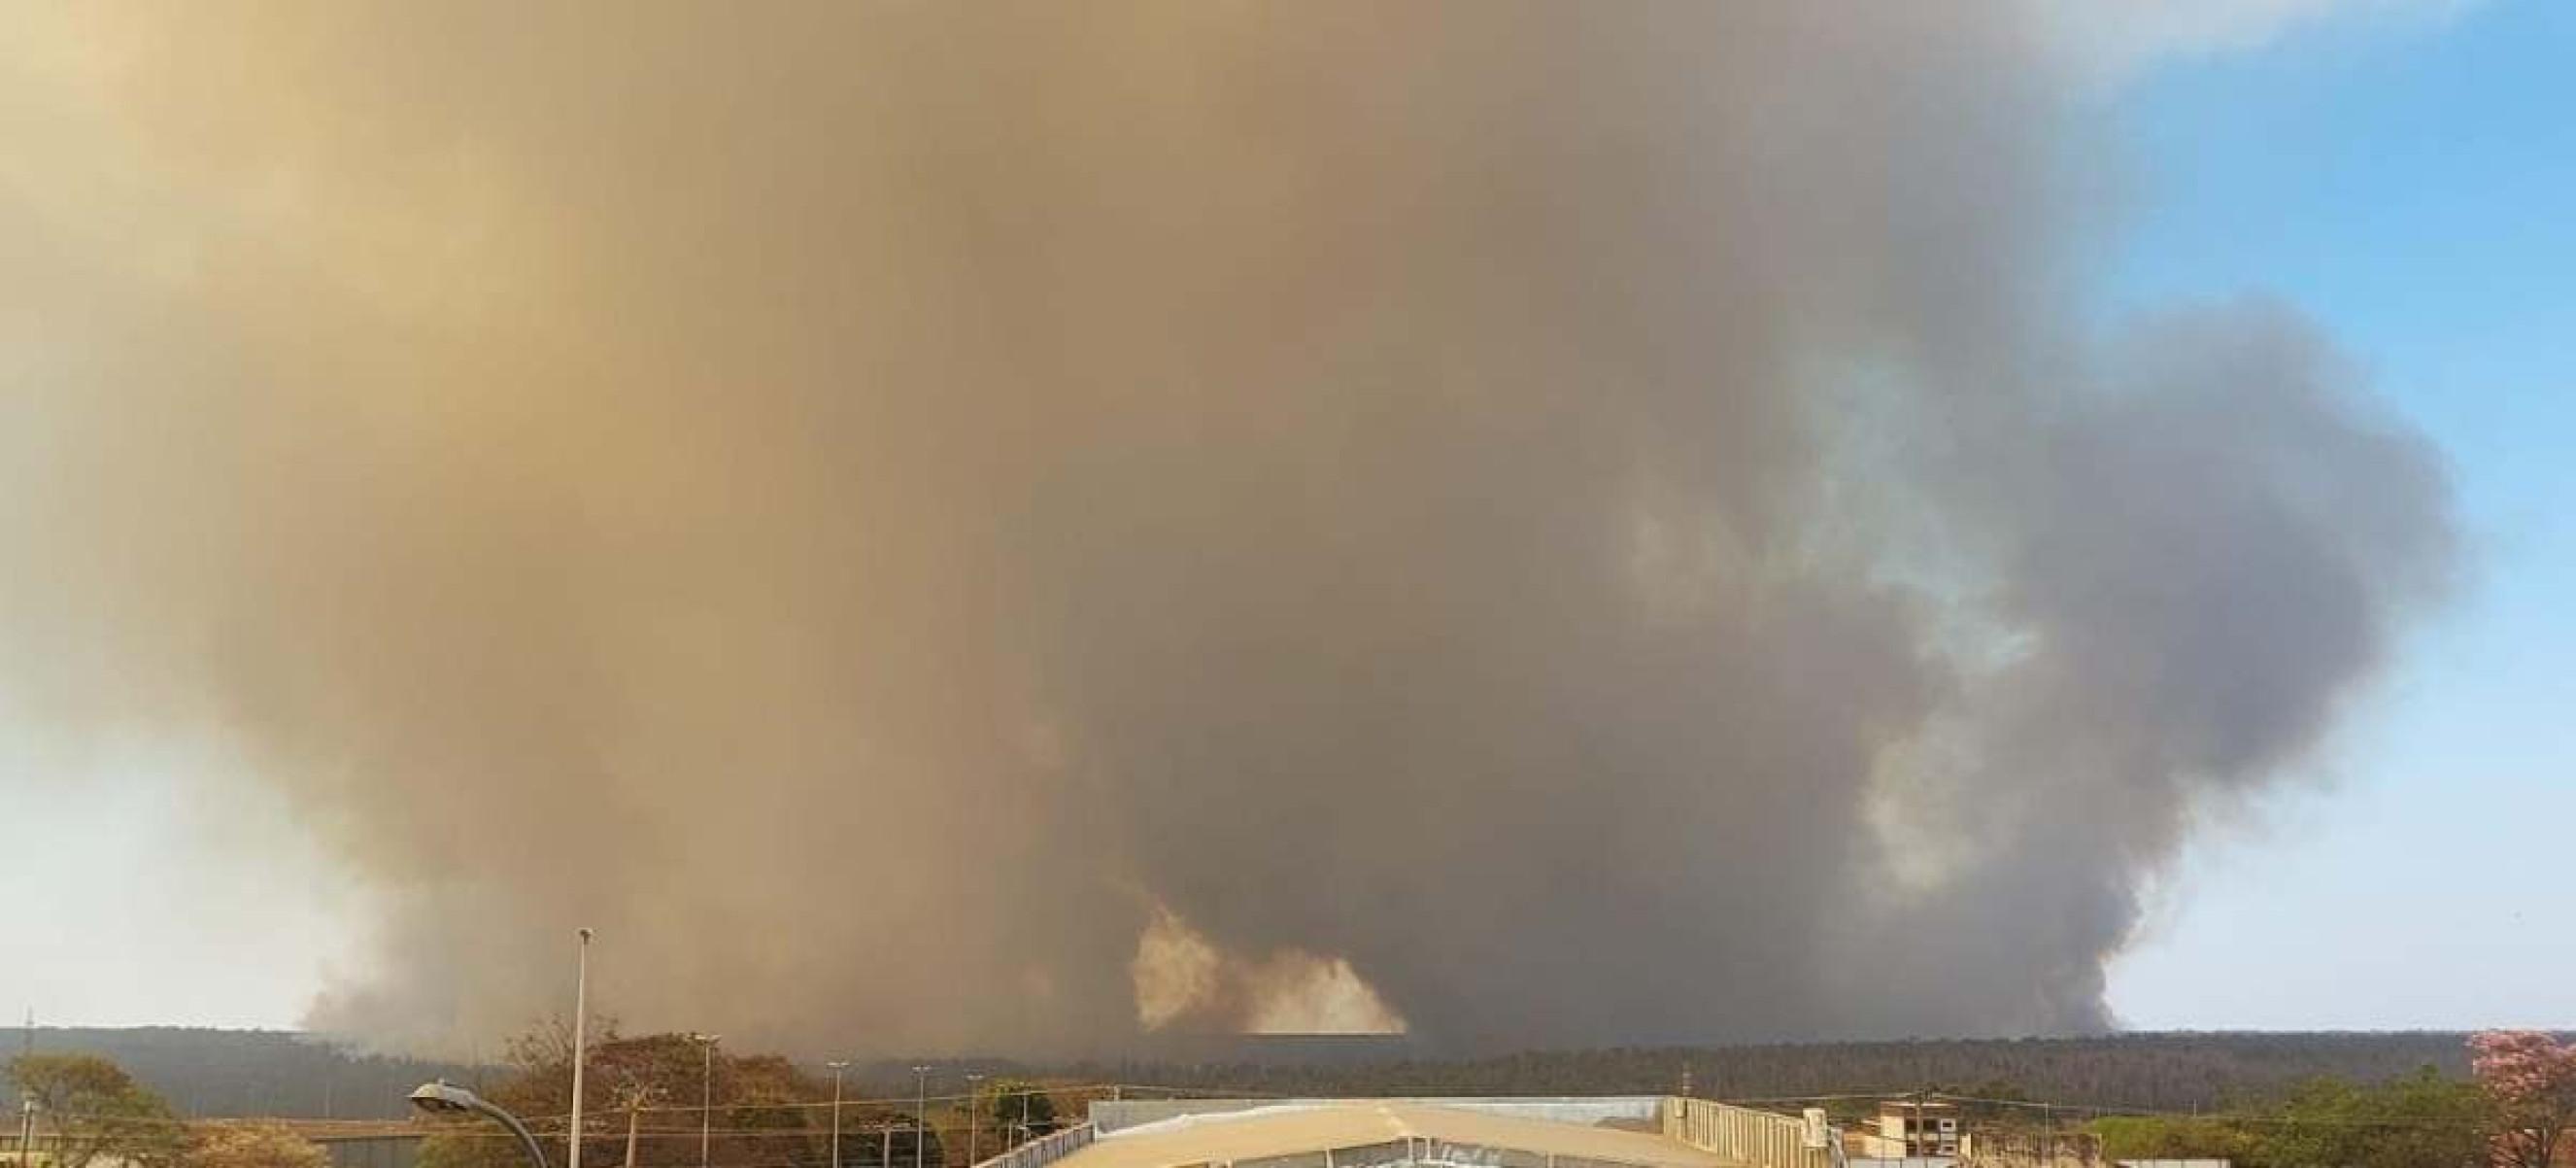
{"points": [[443, 1098], [585, 933], [439, 1097], [838, 1065], [709, 1039]]}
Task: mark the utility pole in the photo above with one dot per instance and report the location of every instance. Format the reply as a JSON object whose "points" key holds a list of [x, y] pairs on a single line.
{"points": [[580, 1018], [837, 1068], [632, 1095], [974, 1115]]}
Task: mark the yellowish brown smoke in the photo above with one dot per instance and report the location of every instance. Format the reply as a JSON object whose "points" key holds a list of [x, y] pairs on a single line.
{"points": [[1462, 516]]}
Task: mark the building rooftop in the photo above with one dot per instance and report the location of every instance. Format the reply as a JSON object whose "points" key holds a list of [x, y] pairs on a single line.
{"points": [[1419, 1131]]}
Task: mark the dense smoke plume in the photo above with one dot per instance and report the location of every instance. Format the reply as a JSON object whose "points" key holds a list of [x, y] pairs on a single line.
{"points": [[997, 525]]}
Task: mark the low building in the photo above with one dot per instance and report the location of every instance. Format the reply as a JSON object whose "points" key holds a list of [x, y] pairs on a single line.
{"points": [[1913, 1129]]}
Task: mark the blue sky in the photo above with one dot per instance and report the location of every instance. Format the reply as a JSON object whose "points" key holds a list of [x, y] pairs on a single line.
{"points": [[2411, 184]]}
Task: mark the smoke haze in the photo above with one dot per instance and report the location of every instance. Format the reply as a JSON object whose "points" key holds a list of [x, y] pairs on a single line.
{"points": [[1002, 526]]}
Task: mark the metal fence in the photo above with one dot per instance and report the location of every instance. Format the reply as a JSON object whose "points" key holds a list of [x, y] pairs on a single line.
{"points": [[1044, 1150], [1760, 1139], [1451, 1154], [1640, 1112], [1427, 1152]]}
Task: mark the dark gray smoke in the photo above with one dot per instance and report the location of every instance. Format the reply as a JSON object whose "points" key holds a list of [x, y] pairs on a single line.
{"points": [[997, 525]]}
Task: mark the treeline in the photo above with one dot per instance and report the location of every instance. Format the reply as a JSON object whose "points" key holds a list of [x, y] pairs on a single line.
{"points": [[84, 1111], [209, 1074], [2176, 1071], [668, 1101], [664, 1100], [671, 1100], [216, 1073]]}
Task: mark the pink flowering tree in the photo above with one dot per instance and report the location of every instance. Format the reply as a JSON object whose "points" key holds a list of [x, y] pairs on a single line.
{"points": [[2530, 1080]]}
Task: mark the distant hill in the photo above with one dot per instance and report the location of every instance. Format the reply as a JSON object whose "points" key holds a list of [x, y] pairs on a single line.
{"points": [[2172, 1070], [218, 1073]]}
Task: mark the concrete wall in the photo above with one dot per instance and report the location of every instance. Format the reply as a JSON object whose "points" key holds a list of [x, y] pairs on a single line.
{"points": [[373, 1151], [1762, 1139]]}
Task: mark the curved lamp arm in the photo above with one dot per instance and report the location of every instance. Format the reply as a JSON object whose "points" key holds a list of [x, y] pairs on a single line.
{"points": [[447, 1099]]}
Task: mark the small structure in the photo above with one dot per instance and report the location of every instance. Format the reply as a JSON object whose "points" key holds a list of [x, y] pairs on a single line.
{"points": [[1913, 1129]]}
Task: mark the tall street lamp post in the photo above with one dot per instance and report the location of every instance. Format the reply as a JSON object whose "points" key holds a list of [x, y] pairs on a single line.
{"points": [[920, 1112], [837, 1068], [580, 1020], [706, 1090], [974, 1116]]}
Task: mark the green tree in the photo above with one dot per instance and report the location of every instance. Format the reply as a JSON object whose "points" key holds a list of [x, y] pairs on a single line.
{"points": [[89, 1108], [459, 1146], [765, 1111], [254, 1145], [1019, 1109], [2419, 1121], [2429, 1121], [2171, 1137], [2315, 1128]]}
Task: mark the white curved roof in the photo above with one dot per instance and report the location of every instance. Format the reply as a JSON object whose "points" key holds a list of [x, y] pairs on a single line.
{"points": [[1312, 1127]]}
